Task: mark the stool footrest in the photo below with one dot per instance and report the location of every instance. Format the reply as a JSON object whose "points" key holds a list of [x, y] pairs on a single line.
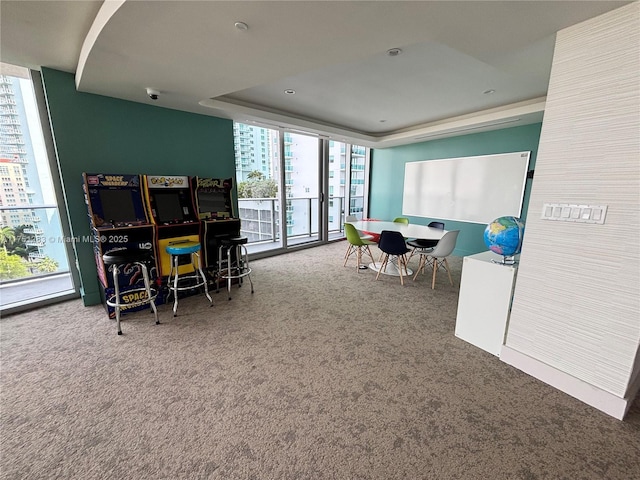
{"points": [[135, 303], [199, 283], [224, 276], [233, 265]]}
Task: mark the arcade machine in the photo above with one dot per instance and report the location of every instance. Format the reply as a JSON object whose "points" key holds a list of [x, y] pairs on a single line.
{"points": [[171, 209], [214, 202], [118, 219]]}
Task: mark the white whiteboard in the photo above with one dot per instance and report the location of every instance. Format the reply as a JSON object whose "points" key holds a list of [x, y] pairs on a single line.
{"points": [[467, 189]]}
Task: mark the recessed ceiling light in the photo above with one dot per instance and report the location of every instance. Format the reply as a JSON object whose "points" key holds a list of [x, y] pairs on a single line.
{"points": [[394, 52], [489, 92], [241, 26], [289, 91]]}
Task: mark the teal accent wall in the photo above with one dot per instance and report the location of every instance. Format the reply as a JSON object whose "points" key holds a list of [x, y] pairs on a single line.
{"points": [[93, 133], [387, 175]]}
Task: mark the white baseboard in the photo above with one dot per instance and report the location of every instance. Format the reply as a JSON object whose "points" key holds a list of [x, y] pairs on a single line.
{"points": [[602, 400]]}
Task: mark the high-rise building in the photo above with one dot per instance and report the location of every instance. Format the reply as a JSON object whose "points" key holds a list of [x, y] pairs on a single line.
{"points": [[253, 149], [357, 184], [21, 178]]}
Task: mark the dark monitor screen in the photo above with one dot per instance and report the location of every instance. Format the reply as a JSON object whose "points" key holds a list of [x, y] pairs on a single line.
{"points": [[168, 206], [212, 202], [117, 205]]}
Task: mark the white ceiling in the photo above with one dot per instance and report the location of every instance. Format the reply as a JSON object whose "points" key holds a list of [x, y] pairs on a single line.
{"points": [[333, 54]]}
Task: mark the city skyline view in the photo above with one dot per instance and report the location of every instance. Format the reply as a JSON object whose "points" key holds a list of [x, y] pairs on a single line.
{"points": [[29, 214], [257, 153]]}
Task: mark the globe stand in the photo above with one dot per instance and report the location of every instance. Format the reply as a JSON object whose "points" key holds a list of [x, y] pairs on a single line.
{"points": [[506, 260]]}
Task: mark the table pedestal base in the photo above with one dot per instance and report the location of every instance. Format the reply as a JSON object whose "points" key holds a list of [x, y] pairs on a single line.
{"points": [[390, 269]]}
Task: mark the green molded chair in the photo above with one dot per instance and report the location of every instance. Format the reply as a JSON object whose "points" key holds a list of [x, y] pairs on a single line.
{"points": [[364, 236], [357, 245], [404, 220]]}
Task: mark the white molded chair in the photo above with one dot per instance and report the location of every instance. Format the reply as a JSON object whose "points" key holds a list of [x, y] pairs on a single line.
{"points": [[438, 256]]}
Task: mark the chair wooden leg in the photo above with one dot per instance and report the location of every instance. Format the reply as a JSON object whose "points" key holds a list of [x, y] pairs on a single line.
{"points": [[368, 251], [427, 261], [448, 271], [402, 265], [347, 255], [383, 265], [435, 269], [421, 264], [358, 257]]}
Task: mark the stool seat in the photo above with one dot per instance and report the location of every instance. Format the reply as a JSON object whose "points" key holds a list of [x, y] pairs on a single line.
{"points": [[420, 243], [126, 255], [183, 248], [234, 241]]}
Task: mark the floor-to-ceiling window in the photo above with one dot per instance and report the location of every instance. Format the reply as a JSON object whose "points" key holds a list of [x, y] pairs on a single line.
{"points": [[257, 152], [34, 240], [295, 189], [348, 185], [302, 188]]}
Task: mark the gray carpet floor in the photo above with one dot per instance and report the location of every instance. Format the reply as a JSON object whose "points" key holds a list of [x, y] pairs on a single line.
{"points": [[322, 373]]}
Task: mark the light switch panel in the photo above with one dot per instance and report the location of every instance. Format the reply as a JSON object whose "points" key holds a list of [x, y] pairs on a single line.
{"points": [[548, 211], [566, 212], [575, 212]]}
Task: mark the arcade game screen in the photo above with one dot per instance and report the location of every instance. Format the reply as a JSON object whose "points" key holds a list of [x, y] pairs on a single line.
{"points": [[212, 202], [168, 206], [117, 205]]}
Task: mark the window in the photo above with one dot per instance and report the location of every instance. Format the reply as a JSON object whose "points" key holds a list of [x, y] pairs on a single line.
{"points": [[295, 159], [29, 166]]}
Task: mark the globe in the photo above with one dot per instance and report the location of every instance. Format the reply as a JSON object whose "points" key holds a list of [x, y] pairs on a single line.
{"points": [[504, 236]]}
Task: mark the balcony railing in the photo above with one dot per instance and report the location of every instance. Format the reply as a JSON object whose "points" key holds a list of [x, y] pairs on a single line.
{"points": [[35, 243], [40, 238], [260, 218]]}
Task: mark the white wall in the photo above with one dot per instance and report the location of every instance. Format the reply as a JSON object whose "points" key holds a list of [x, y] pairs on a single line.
{"points": [[575, 321]]}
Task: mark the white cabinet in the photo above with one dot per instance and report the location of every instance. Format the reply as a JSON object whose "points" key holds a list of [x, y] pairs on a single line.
{"points": [[484, 304]]}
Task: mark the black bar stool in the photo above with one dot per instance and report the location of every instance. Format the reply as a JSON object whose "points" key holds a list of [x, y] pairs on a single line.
{"points": [[237, 262], [194, 280], [115, 260]]}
